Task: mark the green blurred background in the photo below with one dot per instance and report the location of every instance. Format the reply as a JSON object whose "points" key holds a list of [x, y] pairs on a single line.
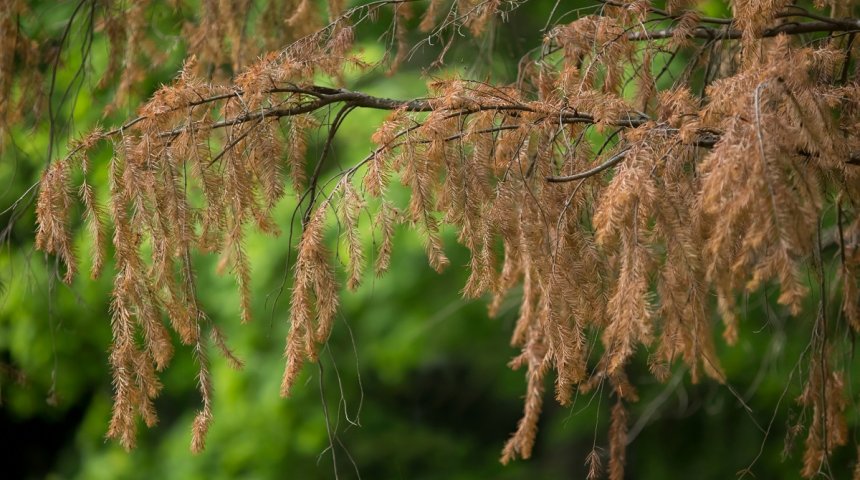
{"points": [[413, 381]]}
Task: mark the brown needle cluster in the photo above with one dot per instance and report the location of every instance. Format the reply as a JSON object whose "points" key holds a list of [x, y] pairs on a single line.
{"points": [[627, 208]]}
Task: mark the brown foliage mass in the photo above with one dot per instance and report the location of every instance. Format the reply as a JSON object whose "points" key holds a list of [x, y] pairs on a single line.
{"points": [[687, 195]]}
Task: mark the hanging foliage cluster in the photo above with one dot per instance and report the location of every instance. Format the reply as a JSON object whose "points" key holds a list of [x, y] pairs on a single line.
{"points": [[631, 209]]}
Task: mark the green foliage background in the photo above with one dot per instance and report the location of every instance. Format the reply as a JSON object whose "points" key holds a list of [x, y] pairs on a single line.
{"points": [[413, 380]]}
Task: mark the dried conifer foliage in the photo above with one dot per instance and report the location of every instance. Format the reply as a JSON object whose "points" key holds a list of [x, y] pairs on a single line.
{"points": [[629, 204]]}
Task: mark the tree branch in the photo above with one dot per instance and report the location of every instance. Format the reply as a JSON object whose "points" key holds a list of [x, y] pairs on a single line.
{"points": [[711, 33]]}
